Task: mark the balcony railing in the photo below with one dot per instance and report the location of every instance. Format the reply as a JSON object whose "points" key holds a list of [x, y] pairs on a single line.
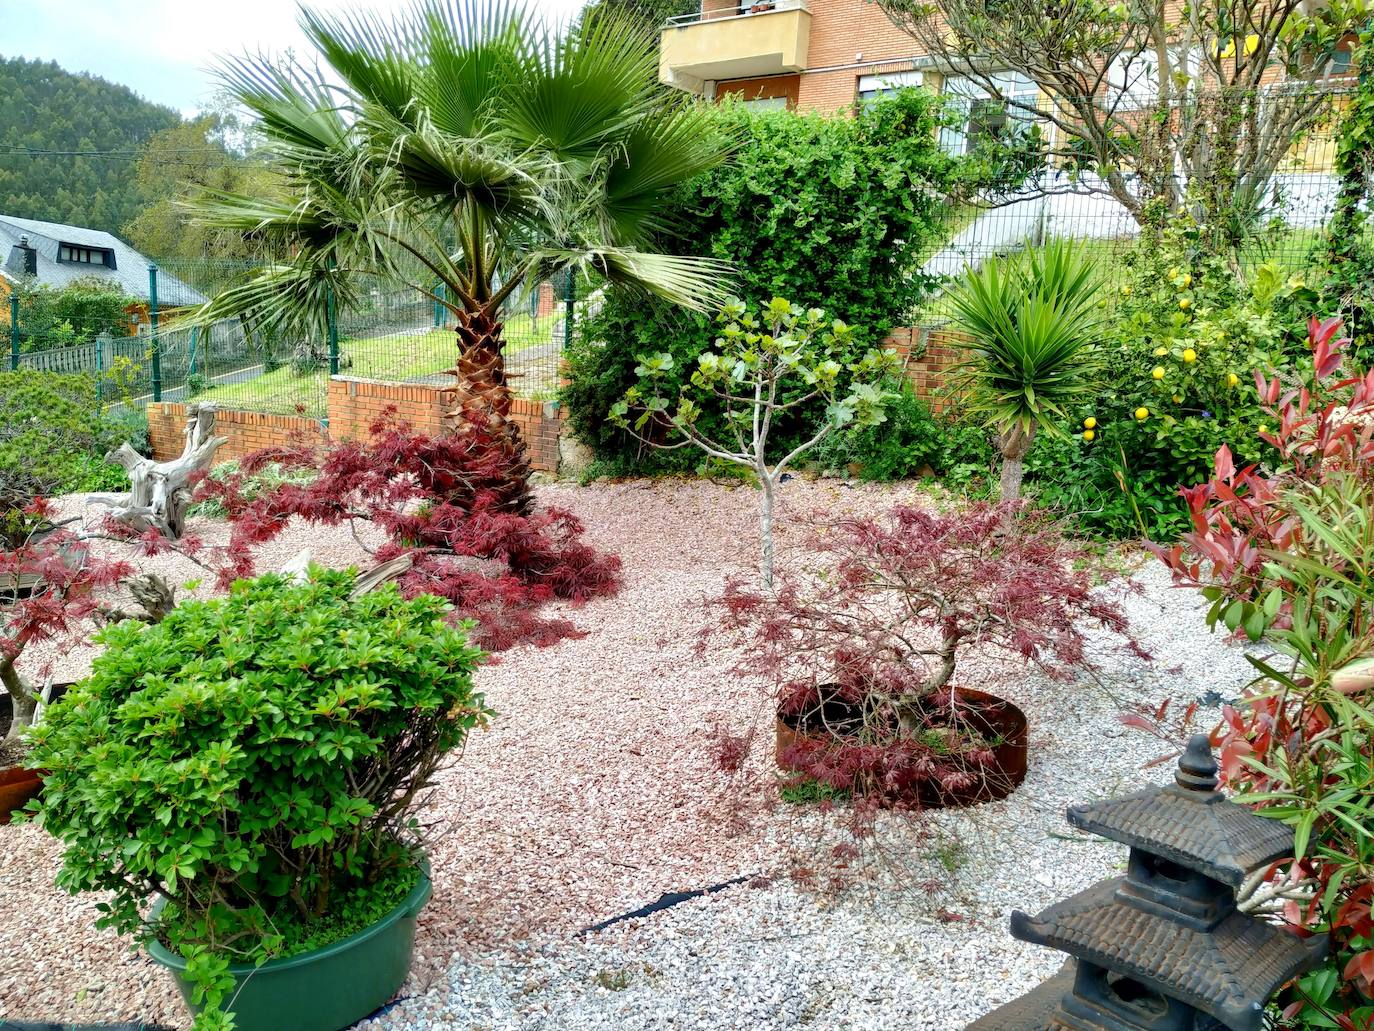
{"points": [[726, 13]]}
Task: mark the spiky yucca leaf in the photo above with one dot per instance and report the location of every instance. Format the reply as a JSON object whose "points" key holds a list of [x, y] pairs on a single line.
{"points": [[1034, 321]]}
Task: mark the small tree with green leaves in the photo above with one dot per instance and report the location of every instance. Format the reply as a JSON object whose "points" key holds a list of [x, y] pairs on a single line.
{"points": [[1033, 320], [764, 366]]}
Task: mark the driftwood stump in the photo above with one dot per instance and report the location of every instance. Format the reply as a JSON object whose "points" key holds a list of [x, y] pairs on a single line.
{"points": [[158, 493]]}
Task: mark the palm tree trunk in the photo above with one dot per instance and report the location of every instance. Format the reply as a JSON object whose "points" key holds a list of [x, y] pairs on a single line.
{"points": [[482, 398]]}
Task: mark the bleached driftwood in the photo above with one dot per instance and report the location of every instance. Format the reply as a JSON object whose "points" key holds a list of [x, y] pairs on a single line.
{"points": [[297, 568], [158, 493]]}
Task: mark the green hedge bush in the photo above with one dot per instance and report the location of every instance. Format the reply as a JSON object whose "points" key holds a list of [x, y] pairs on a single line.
{"points": [[256, 759], [833, 212], [53, 436]]}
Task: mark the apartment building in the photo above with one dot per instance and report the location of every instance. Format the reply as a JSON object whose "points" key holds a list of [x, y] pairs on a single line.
{"points": [[833, 55], [815, 55]]}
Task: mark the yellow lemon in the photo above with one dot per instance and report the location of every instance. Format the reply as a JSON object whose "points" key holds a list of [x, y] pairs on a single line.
{"points": [[1185, 304], [1126, 290], [1089, 423], [1173, 272], [1263, 428], [1142, 413], [1189, 355], [1232, 380], [1158, 372], [1088, 434], [1187, 279]]}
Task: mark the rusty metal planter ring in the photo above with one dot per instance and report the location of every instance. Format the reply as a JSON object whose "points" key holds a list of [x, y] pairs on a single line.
{"points": [[994, 717]]}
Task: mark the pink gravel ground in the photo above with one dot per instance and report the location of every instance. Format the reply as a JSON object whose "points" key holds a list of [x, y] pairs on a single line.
{"points": [[594, 791]]}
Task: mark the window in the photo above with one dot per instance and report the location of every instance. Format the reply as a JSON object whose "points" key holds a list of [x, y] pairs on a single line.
{"points": [[980, 115], [76, 255], [871, 87], [766, 103]]}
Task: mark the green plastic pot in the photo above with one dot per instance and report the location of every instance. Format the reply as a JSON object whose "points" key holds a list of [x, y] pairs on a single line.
{"points": [[326, 989]]}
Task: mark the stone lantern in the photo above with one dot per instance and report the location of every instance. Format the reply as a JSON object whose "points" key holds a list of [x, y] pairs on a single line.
{"points": [[1164, 948]]}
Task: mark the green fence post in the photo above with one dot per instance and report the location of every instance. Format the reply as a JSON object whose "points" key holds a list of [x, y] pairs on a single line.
{"points": [[568, 297], [152, 331], [333, 328], [14, 331]]}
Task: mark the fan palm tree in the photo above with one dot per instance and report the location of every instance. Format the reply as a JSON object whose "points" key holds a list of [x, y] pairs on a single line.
{"points": [[465, 151], [1033, 321]]}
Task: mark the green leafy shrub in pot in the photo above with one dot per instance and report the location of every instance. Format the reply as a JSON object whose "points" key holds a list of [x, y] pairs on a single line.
{"points": [[255, 761]]}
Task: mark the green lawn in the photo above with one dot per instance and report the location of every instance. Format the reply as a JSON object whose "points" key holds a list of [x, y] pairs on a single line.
{"points": [[396, 357]]}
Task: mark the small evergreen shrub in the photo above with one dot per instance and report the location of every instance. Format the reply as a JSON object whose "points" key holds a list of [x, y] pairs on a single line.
{"points": [[52, 435], [256, 760]]}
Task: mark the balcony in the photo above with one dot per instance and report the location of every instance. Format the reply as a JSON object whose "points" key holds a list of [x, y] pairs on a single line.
{"points": [[723, 44]]}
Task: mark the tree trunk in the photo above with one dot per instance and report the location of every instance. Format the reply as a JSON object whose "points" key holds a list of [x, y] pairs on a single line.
{"points": [[766, 529], [483, 397], [23, 702], [1013, 443]]}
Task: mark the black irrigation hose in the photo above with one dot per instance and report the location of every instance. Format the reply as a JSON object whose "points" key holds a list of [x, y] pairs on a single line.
{"points": [[665, 901]]}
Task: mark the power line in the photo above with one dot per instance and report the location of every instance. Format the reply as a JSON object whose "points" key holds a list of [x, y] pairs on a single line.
{"points": [[40, 152]]}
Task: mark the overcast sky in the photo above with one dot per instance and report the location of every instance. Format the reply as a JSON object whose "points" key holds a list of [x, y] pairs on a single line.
{"points": [[163, 49]]}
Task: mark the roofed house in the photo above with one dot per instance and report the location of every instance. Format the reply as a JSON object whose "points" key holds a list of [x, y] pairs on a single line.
{"points": [[55, 255]]}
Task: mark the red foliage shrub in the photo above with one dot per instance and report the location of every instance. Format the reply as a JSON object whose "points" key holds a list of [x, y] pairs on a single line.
{"points": [[432, 496], [863, 650], [48, 582], [1287, 555]]}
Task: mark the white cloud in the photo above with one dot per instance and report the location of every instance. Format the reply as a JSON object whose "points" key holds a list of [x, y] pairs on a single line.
{"points": [[166, 49]]}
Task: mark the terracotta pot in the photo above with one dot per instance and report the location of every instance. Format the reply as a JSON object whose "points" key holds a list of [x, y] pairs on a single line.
{"points": [[17, 786], [993, 716]]}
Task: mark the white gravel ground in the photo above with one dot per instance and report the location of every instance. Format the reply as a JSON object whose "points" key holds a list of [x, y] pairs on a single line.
{"points": [[596, 792]]}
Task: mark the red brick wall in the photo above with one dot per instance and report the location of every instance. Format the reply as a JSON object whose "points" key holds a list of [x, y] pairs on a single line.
{"points": [[930, 353], [247, 431], [354, 404]]}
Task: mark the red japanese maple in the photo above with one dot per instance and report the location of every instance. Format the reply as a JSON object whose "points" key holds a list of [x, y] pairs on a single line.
{"points": [[433, 497], [880, 623], [48, 585]]}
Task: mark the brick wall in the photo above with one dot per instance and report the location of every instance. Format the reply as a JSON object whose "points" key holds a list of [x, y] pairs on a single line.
{"points": [[247, 431], [354, 404], [929, 354]]}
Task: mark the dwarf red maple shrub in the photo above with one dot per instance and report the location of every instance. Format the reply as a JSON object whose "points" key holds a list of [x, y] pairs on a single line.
{"points": [[863, 648], [433, 497], [48, 585], [1285, 554]]}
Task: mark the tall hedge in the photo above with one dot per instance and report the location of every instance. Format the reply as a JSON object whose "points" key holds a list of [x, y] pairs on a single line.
{"points": [[831, 212]]}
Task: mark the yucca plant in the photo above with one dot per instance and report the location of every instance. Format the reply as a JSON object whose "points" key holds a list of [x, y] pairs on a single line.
{"points": [[465, 151], [1033, 320]]}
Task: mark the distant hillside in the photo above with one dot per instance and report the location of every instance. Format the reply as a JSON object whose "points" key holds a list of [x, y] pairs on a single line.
{"points": [[48, 109]]}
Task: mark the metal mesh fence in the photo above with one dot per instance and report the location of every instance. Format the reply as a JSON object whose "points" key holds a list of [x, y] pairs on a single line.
{"points": [[1284, 221], [138, 352]]}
